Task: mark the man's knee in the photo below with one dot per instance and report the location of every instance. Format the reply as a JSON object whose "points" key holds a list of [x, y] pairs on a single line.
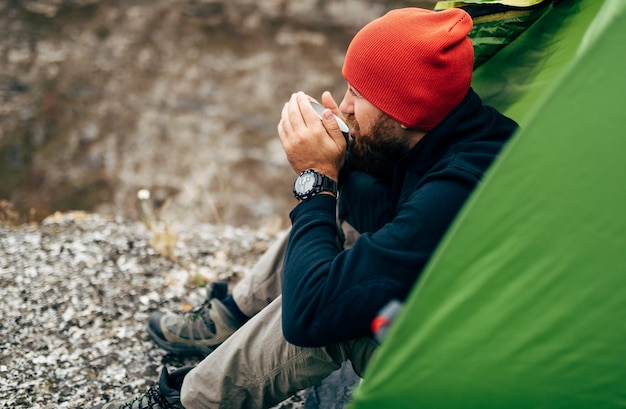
{"points": [[358, 351]]}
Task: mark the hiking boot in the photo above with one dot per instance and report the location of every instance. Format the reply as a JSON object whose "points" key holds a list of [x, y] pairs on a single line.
{"points": [[196, 332], [165, 396]]}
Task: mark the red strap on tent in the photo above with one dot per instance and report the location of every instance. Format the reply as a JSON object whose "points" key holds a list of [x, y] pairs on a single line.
{"points": [[381, 323]]}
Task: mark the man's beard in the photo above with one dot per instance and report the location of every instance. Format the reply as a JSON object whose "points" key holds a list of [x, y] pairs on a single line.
{"points": [[377, 151]]}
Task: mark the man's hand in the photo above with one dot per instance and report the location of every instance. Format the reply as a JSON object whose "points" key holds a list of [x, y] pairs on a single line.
{"points": [[308, 142]]}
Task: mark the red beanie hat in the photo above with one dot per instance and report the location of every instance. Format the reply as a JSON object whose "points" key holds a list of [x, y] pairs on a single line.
{"points": [[413, 64]]}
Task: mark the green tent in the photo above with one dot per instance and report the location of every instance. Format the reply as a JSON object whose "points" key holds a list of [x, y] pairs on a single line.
{"points": [[523, 304]]}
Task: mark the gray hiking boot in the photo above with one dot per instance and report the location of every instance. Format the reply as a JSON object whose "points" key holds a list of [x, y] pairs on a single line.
{"points": [[165, 396], [196, 332]]}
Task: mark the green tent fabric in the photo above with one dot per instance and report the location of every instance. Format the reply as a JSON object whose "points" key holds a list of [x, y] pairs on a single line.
{"points": [[518, 75], [522, 305], [497, 23]]}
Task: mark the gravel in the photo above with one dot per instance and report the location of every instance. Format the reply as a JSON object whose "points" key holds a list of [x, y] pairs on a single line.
{"points": [[75, 294]]}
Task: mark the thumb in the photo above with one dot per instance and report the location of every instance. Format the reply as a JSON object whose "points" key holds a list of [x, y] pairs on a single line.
{"points": [[332, 127], [329, 102], [330, 122]]}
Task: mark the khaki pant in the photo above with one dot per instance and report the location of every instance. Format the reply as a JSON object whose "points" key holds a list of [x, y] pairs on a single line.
{"points": [[256, 367]]}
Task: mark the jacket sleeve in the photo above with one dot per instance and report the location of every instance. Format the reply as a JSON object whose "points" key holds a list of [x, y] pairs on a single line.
{"points": [[331, 295]]}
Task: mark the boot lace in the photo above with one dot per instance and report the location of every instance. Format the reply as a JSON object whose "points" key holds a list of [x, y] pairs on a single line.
{"points": [[155, 400], [197, 312], [216, 290]]}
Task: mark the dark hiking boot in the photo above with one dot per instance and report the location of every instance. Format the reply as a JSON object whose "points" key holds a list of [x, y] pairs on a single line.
{"points": [[165, 396], [197, 332]]}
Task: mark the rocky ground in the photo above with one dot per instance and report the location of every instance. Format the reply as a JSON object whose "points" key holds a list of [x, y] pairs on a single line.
{"points": [[75, 293]]}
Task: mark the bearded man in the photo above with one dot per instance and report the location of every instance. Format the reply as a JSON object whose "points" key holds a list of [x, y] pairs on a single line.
{"points": [[373, 205]]}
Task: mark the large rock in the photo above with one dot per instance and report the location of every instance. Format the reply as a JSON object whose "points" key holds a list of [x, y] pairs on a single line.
{"points": [[181, 97]]}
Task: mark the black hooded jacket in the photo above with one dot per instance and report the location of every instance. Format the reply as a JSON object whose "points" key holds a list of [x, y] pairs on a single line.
{"points": [[331, 295]]}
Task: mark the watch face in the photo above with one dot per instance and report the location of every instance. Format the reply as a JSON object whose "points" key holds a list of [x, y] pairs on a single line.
{"points": [[304, 183]]}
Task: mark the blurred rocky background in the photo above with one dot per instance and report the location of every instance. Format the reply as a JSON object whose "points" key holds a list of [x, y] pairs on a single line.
{"points": [[158, 119], [102, 98]]}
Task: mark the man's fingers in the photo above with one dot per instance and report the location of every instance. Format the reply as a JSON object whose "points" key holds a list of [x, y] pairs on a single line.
{"points": [[299, 118], [309, 117], [284, 127], [330, 122]]}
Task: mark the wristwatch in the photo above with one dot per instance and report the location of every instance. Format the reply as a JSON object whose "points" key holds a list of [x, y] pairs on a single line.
{"points": [[310, 183]]}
